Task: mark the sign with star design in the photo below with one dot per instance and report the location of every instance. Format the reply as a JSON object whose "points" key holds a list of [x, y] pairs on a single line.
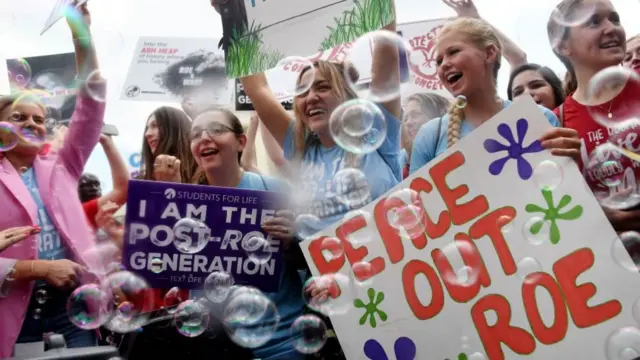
{"points": [[496, 249]]}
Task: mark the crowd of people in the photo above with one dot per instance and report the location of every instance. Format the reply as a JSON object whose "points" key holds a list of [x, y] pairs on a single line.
{"points": [[46, 195]]}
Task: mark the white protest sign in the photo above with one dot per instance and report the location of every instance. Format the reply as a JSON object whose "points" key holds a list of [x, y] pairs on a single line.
{"points": [[171, 69], [258, 33], [535, 271], [420, 38]]}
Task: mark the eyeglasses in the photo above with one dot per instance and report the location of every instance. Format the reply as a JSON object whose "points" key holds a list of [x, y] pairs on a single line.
{"points": [[213, 129], [20, 117]]}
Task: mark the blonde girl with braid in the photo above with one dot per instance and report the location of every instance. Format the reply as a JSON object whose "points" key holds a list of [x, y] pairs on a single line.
{"points": [[469, 56]]}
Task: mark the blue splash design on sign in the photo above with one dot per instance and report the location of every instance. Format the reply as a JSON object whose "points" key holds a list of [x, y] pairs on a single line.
{"points": [[515, 149], [404, 349]]}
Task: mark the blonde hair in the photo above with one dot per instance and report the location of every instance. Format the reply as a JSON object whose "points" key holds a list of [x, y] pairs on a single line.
{"points": [[334, 73], [480, 34]]}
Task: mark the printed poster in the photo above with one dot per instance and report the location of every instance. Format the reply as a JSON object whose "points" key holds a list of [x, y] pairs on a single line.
{"points": [[258, 34], [177, 234], [494, 250], [172, 69], [51, 77]]}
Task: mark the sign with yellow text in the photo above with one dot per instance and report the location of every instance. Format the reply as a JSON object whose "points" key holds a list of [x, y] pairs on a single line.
{"points": [[494, 250]]}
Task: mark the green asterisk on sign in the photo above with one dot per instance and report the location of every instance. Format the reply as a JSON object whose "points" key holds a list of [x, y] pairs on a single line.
{"points": [[552, 213], [371, 309]]}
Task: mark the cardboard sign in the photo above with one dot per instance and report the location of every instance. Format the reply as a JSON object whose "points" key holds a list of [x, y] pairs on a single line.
{"points": [[494, 250], [174, 69], [162, 218], [258, 34]]}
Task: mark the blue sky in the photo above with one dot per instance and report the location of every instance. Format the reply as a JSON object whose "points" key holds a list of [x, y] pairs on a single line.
{"points": [[117, 24]]}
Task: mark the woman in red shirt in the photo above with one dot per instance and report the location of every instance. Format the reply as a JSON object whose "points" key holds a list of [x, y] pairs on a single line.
{"points": [[586, 49]]}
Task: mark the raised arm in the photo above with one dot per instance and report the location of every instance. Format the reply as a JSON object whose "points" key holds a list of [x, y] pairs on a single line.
{"points": [[385, 68], [87, 119], [510, 50], [274, 150], [249, 160], [272, 114], [119, 173]]}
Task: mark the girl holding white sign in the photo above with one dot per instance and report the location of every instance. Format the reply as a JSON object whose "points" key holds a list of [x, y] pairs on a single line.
{"points": [[469, 57], [603, 105]]}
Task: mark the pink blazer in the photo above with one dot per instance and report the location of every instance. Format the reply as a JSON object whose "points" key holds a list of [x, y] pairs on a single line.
{"points": [[57, 174]]}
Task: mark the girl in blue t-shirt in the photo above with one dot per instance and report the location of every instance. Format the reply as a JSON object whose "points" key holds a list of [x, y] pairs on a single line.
{"points": [[320, 162], [217, 141], [468, 57]]}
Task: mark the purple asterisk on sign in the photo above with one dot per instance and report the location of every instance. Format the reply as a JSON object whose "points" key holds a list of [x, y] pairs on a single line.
{"points": [[515, 149], [404, 349]]}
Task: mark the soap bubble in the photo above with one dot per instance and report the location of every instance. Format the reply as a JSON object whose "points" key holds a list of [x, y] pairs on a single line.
{"points": [[619, 110], [257, 248], [218, 285], [309, 334], [387, 84], [191, 319], [89, 307], [284, 77], [132, 299], [251, 319], [333, 294], [190, 235], [172, 299], [358, 126], [8, 136]]}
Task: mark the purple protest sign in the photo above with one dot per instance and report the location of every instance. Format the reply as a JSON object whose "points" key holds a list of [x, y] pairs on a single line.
{"points": [[177, 234]]}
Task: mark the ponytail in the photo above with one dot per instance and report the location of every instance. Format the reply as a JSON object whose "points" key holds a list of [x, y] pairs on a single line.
{"points": [[456, 115]]}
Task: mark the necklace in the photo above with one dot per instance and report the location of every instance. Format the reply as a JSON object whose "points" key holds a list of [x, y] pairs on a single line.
{"points": [[609, 114]]}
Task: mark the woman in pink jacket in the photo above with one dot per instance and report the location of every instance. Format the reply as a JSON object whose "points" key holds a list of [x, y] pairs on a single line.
{"points": [[39, 188]]}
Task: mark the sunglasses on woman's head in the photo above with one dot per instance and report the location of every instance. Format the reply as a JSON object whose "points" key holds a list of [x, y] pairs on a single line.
{"points": [[212, 129], [20, 117]]}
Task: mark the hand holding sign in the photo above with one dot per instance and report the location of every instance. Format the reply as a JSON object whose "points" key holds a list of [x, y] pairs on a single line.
{"points": [[281, 227], [167, 168], [562, 142]]}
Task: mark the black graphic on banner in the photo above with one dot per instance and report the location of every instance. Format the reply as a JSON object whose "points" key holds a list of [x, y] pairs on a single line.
{"points": [[243, 103]]}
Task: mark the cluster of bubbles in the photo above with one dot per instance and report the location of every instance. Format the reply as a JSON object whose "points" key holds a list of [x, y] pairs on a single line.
{"points": [[122, 302]]}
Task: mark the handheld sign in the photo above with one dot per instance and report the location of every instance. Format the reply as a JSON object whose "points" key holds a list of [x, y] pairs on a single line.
{"points": [[494, 250], [177, 234]]}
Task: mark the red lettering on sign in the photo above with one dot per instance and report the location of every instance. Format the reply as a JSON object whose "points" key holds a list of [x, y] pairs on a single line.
{"points": [[409, 273], [557, 331], [567, 271], [502, 332]]}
